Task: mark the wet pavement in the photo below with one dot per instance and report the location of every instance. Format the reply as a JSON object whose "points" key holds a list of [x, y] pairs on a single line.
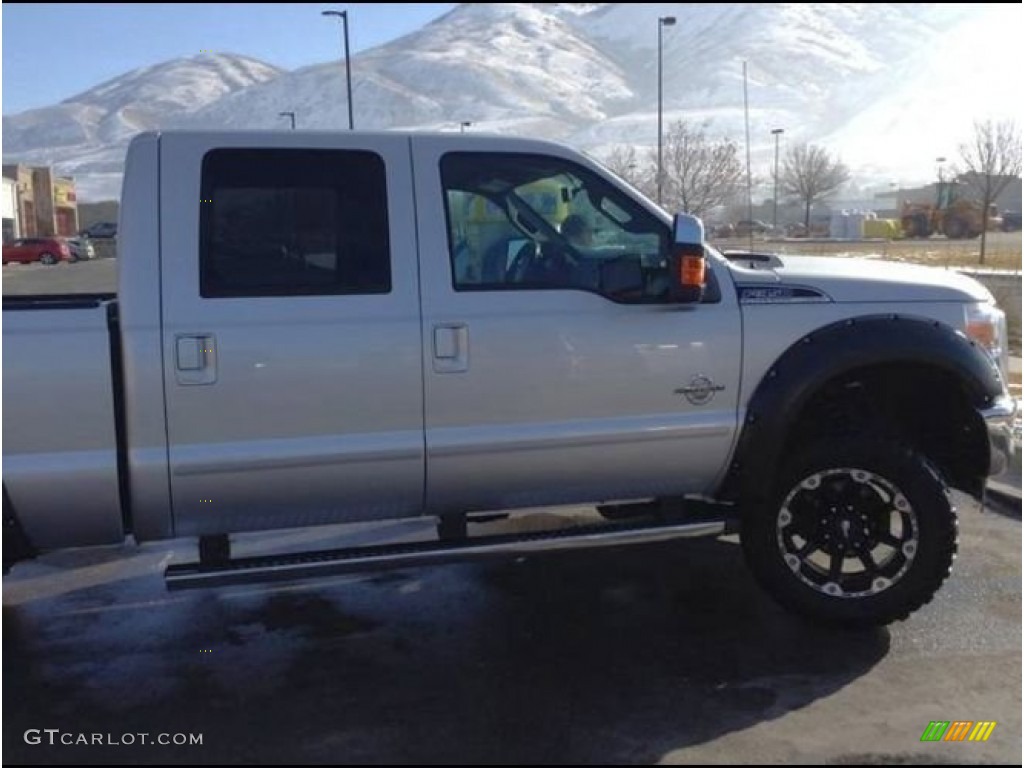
{"points": [[665, 653]]}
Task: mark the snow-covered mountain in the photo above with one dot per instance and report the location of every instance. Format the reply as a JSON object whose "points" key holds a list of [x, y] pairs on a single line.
{"points": [[890, 86], [86, 136]]}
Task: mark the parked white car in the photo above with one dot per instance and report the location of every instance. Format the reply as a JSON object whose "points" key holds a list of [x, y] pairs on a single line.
{"points": [[81, 248]]}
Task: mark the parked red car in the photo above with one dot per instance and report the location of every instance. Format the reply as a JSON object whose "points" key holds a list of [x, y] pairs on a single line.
{"points": [[47, 250]]}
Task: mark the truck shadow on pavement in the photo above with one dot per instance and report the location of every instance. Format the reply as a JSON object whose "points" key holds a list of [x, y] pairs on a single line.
{"points": [[579, 658]]}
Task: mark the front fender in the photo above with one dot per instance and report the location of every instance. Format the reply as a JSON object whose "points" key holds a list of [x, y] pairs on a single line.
{"points": [[837, 349]]}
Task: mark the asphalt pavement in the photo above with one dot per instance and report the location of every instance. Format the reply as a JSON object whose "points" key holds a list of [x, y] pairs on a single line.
{"points": [[658, 654], [666, 653]]}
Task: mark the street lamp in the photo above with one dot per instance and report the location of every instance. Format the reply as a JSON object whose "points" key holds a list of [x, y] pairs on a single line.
{"points": [[464, 125], [343, 15], [776, 132], [663, 21], [940, 188], [290, 115]]}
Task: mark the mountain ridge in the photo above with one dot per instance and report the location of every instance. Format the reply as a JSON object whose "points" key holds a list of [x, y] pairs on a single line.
{"points": [[859, 78]]}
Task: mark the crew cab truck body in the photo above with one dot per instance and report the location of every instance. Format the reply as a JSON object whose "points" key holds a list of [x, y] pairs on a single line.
{"points": [[316, 328]]}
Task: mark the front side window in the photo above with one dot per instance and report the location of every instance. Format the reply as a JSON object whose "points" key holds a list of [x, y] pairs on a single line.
{"points": [[531, 222], [281, 222]]}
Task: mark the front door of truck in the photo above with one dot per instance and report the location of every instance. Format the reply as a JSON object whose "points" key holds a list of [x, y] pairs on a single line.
{"points": [[556, 369], [291, 330]]}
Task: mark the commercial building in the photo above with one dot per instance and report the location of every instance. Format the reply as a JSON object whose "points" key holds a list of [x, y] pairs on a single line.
{"points": [[9, 210], [44, 204]]}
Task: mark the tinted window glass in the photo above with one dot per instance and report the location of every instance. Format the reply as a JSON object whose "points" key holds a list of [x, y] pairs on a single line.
{"points": [[528, 222], [279, 222]]}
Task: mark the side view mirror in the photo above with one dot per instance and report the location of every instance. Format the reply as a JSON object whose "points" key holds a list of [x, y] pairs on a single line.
{"points": [[687, 268]]}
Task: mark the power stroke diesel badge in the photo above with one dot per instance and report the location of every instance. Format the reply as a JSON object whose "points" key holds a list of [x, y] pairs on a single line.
{"points": [[700, 390]]}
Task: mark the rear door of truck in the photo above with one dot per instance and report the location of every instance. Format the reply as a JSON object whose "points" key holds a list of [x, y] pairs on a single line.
{"points": [[291, 330]]}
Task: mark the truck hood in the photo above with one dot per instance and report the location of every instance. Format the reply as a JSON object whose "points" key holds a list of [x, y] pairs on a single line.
{"points": [[858, 280]]}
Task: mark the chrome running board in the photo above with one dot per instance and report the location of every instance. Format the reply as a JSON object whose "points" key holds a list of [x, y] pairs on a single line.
{"points": [[304, 565]]}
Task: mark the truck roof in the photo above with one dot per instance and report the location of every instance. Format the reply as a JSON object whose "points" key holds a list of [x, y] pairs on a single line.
{"points": [[276, 133]]}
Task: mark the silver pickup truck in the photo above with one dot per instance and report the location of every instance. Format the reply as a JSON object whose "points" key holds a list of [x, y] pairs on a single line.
{"points": [[316, 328]]}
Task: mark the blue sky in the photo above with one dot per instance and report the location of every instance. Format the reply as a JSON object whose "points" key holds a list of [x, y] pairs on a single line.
{"points": [[83, 45]]}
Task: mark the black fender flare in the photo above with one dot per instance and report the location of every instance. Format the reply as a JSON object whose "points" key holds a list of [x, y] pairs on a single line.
{"points": [[829, 352]]}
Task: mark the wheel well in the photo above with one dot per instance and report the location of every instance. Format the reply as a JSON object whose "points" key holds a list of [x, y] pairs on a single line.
{"points": [[925, 406]]}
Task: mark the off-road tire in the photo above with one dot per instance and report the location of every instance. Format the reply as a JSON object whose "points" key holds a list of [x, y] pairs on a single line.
{"points": [[836, 491]]}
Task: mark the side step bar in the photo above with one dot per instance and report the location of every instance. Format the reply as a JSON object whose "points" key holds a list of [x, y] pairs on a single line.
{"points": [[305, 565]]}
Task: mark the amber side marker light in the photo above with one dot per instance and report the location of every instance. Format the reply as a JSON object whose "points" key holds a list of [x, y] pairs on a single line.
{"points": [[691, 271], [689, 274]]}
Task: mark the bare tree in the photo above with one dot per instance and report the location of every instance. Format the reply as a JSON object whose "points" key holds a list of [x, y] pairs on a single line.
{"points": [[810, 174], [990, 162], [700, 172], [624, 161]]}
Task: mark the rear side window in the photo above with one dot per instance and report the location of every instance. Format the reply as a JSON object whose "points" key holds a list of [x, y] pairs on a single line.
{"points": [[293, 222]]}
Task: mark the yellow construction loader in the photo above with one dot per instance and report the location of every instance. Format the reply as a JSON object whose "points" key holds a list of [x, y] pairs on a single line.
{"points": [[952, 214]]}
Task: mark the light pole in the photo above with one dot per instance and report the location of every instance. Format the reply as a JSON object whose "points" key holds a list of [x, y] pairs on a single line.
{"points": [[290, 115], [776, 132], [343, 15], [464, 125], [940, 188], [663, 21]]}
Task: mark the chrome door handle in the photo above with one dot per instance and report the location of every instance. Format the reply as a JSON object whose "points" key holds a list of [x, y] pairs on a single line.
{"points": [[189, 353], [451, 348], [195, 358]]}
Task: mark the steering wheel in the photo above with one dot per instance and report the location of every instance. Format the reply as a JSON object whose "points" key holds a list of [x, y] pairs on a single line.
{"points": [[524, 259], [554, 265]]}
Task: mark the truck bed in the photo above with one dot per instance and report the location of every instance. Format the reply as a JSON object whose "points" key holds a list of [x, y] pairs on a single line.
{"points": [[59, 425]]}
